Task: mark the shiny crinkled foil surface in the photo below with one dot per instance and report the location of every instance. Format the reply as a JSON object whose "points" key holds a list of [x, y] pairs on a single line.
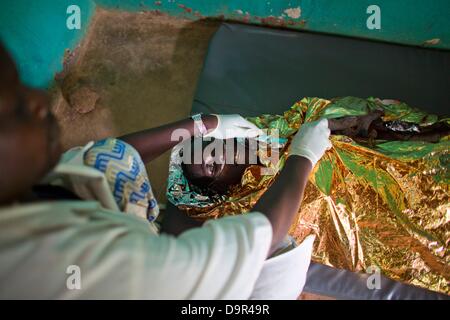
{"points": [[371, 204]]}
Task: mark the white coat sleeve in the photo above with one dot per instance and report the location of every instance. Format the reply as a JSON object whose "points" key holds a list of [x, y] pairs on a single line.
{"points": [[121, 259], [221, 260]]}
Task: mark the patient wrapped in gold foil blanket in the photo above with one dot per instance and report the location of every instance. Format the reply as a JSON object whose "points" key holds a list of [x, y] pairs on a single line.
{"points": [[371, 202]]}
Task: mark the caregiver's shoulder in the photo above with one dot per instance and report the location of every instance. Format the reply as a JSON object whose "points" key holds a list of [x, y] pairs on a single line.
{"points": [[109, 248]]}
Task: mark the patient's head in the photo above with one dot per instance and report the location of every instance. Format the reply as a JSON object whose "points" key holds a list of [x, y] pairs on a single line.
{"points": [[215, 165]]}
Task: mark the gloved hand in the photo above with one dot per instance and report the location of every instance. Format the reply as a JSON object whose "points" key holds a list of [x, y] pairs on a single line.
{"points": [[232, 126], [311, 141]]}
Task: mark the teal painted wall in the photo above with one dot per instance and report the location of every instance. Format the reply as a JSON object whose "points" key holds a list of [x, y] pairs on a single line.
{"points": [[409, 22], [36, 33]]}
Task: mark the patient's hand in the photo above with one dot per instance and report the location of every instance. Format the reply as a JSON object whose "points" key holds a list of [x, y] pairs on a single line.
{"points": [[355, 125]]}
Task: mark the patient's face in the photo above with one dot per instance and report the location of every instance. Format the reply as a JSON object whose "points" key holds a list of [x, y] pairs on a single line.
{"points": [[220, 165]]}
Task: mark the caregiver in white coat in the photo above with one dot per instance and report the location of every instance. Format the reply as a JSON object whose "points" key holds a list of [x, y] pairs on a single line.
{"points": [[62, 235]]}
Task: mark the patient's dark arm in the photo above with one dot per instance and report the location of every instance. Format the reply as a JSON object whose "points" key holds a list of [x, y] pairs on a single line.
{"points": [[282, 200]]}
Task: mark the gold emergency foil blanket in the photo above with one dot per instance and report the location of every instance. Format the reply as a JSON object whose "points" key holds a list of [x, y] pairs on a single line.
{"points": [[371, 204]]}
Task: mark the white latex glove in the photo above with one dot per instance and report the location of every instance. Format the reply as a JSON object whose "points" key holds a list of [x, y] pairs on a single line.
{"points": [[311, 141], [233, 126]]}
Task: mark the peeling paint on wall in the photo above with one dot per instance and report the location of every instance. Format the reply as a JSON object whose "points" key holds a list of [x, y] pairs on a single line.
{"points": [[432, 42], [293, 13], [404, 21]]}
